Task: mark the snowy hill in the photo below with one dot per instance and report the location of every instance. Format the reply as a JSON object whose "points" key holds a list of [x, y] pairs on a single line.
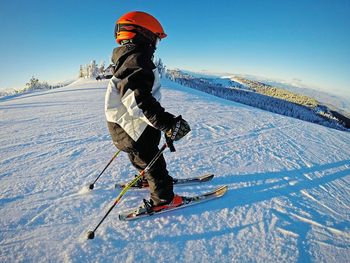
{"points": [[263, 96], [33, 85], [288, 198], [340, 103], [337, 102]]}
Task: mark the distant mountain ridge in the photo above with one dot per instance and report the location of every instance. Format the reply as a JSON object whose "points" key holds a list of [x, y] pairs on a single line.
{"points": [[335, 102], [332, 101], [264, 96]]}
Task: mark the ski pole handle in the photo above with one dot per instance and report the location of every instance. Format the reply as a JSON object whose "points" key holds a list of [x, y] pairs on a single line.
{"points": [[170, 140], [170, 144]]}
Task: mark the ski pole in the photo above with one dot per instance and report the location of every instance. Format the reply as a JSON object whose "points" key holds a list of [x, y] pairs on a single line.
{"points": [[91, 234], [91, 186]]}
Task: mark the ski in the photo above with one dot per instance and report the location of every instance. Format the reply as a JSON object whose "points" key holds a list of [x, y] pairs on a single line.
{"points": [[188, 201], [176, 181]]}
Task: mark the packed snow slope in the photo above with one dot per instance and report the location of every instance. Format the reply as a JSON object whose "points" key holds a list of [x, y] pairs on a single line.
{"points": [[288, 198]]}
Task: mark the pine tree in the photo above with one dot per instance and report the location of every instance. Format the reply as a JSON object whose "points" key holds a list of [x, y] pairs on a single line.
{"points": [[81, 72], [32, 84], [101, 68], [92, 70], [161, 68]]}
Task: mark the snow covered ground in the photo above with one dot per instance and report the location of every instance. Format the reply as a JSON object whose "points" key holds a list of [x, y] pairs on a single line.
{"points": [[288, 198]]}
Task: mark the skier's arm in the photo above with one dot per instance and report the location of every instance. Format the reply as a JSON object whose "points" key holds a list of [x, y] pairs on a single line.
{"points": [[140, 103]]}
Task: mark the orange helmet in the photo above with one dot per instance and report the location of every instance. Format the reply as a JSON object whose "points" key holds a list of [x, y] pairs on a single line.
{"points": [[129, 24]]}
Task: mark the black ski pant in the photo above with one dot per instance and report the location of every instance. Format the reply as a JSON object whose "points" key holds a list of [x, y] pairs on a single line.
{"points": [[140, 154]]}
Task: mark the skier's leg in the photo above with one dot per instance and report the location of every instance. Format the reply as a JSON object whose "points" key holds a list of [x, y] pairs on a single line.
{"points": [[159, 180], [160, 183]]}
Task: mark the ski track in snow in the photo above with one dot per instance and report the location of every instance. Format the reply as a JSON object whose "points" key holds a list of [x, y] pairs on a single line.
{"points": [[288, 198]]}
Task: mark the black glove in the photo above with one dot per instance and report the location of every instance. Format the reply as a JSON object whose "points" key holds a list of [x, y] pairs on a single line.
{"points": [[179, 129]]}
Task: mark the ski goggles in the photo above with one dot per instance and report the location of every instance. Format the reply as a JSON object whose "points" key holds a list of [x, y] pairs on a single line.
{"points": [[133, 30], [124, 28]]}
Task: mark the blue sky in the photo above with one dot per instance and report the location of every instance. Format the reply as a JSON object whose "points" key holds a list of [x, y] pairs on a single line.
{"points": [[302, 41]]}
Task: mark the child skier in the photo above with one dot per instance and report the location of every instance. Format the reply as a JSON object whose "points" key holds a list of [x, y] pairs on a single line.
{"points": [[134, 115]]}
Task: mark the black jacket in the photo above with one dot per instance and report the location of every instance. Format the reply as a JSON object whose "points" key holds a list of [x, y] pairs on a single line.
{"points": [[134, 80]]}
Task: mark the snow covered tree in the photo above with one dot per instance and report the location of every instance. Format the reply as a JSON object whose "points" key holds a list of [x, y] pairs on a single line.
{"points": [[160, 66], [92, 71], [81, 72], [101, 68], [33, 83], [86, 71]]}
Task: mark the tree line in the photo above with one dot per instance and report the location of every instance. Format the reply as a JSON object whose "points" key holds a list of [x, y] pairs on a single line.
{"points": [[258, 100]]}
